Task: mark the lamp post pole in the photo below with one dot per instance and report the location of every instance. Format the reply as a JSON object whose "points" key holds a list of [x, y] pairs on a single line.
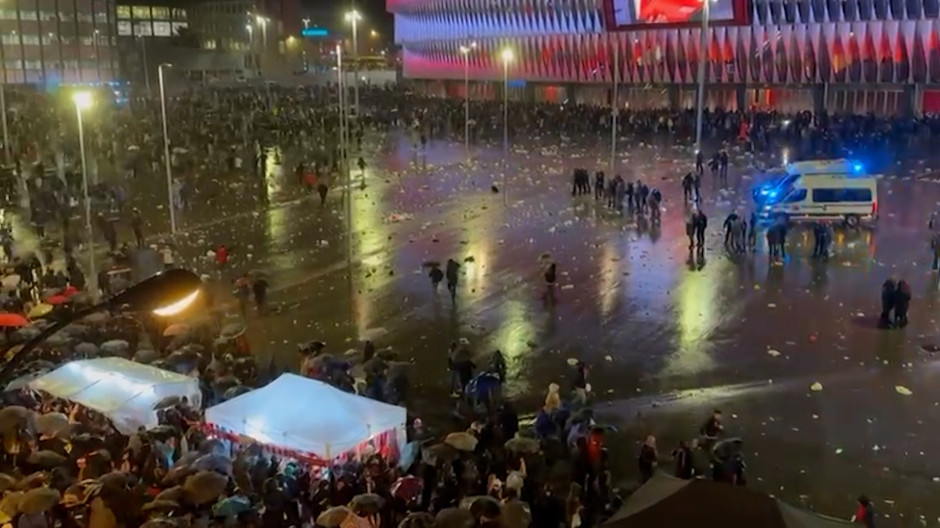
{"points": [[614, 109], [465, 50], [82, 101], [700, 96], [507, 58], [166, 152]]}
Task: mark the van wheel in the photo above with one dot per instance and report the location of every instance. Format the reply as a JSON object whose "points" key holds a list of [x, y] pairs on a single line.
{"points": [[852, 221]]}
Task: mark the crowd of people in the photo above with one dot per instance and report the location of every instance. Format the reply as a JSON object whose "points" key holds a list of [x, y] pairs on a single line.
{"points": [[76, 470]]}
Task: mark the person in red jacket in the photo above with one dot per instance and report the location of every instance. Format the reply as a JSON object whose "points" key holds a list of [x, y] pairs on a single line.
{"points": [[221, 257]]}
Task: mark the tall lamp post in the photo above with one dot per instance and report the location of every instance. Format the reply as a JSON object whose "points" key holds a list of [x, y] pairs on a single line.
{"points": [[83, 101], [344, 148], [700, 96], [96, 35], [3, 105], [465, 50], [166, 150], [614, 109], [353, 17], [507, 57]]}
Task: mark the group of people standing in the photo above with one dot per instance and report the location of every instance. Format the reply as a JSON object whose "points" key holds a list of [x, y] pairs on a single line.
{"points": [[895, 301]]}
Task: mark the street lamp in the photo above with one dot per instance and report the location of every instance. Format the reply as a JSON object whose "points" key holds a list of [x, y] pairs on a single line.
{"points": [[164, 294], [262, 57], [166, 150], [353, 17], [465, 50], [700, 96], [344, 146], [507, 57], [97, 33], [83, 101]]}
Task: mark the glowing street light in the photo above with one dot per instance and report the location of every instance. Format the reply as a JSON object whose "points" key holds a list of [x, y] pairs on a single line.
{"points": [[165, 294]]}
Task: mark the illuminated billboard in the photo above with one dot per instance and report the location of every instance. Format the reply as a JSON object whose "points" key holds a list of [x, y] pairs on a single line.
{"points": [[653, 12]]}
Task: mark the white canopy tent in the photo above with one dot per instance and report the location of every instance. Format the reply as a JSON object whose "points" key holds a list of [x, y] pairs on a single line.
{"points": [[122, 390], [307, 416]]}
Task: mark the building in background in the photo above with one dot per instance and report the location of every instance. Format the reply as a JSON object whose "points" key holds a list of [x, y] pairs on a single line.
{"points": [[52, 42], [258, 32], [148, 33], [880, 56]]}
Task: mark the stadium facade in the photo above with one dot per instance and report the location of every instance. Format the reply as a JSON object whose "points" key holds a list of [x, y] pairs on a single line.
{"points": [[880, 56]]}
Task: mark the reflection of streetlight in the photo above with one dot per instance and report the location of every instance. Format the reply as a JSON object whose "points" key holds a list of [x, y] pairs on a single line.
{"points": [[84, 100], [507, 57], [166, 151], [165, 294], [374, 34]]}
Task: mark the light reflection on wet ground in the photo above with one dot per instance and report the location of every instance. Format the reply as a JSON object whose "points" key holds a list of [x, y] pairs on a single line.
{"points": [[682, 337]]}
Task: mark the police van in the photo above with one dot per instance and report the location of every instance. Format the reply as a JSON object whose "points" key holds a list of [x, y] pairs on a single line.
{"points": [[810, 191]]}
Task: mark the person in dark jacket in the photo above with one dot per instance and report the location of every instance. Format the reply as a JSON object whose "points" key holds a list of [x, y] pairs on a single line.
{"points": [[683, 456], [648, 458], [452, 277], [888, 295], [902, 299]]}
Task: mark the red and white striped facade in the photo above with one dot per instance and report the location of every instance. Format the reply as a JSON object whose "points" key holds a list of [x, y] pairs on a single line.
{"points": [[796, 44]]}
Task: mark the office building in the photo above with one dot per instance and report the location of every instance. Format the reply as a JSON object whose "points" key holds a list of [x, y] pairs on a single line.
{"points": [[50, 42], [880, 56]]}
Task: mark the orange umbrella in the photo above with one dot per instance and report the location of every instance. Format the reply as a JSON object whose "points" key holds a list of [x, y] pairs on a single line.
{"points": [[12, 320], [57, 299]]}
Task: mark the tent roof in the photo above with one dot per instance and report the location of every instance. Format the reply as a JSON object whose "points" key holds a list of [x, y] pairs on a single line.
{"points": [[122, 390], [306, 415], [668, 501]]}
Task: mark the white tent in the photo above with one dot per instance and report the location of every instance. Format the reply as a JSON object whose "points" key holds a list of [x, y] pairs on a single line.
{"points": [[308, 416], [122, 390]]}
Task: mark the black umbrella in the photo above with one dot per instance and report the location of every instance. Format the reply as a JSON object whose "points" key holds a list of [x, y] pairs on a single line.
{"points": [[367, 504], [439, 454], [46, 459], [454, 518], [235, 392], [169, 401], [39, 500]]}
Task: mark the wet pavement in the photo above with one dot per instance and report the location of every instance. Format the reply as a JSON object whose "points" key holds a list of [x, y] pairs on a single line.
{"points": [[667, 338]]}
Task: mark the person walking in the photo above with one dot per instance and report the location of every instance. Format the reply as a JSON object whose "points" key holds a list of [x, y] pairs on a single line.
{"points": [[864, 512], [648, 459], [888, 297], [137, 226], [451, 273], [701, 223], [902, 300], [551, 275], [260, 289]]}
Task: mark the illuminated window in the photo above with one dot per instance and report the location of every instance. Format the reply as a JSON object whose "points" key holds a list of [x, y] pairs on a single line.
{"points": [[179, 14], [123, 11], [161, 29], [143, 29], [7, 14], [124, 28], [161, 13], [141, 12]]}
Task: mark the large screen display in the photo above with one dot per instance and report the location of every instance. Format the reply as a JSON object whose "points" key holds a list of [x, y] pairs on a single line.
{"points": [[645, 12]]}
